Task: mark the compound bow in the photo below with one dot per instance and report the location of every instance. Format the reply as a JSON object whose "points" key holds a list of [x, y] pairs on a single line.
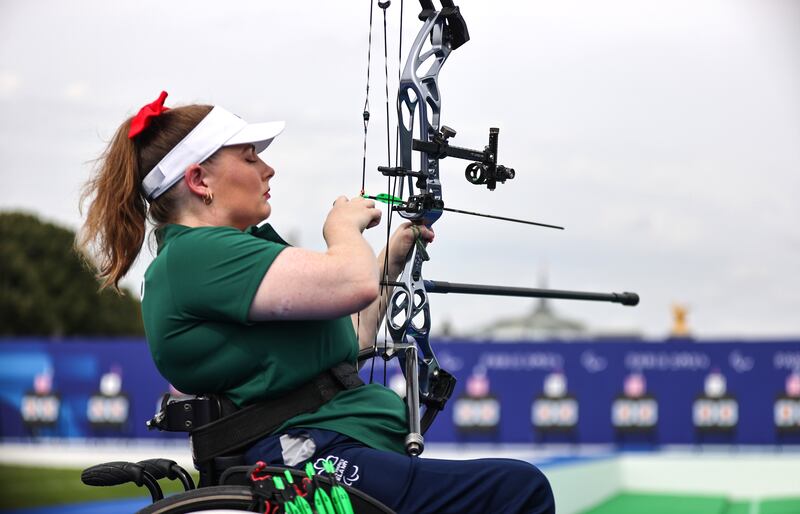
{"points": [[408, 318]]}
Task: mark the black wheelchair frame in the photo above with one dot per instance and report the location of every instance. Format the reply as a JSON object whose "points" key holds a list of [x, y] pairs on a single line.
{"points": [[226, 482]]}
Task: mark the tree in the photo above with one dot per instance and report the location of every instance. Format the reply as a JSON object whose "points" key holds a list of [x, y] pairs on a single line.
{"points": [[47, 290]]}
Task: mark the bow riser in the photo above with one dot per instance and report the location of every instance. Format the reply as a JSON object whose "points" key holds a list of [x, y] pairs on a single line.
{"points": [[409, 319], [419, 100]]}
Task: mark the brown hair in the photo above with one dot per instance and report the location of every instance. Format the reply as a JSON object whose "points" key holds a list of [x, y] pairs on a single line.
{"points": [[116, 219]]}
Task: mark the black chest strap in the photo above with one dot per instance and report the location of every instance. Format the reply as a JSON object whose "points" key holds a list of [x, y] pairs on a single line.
{"points": [[245, 426]]}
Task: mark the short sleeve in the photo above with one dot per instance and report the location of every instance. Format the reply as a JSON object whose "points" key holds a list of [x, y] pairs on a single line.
{"points": [[214, 272]]}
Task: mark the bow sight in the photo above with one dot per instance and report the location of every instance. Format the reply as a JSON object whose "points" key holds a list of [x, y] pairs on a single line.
{"points": [[484, 170]]}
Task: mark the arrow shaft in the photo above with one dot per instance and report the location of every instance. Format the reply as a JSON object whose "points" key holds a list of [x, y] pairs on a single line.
{"points": [[400, 203], [503, 218]]}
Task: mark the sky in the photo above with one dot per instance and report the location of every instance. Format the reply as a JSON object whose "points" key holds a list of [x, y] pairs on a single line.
{"points": [[664, 135]]}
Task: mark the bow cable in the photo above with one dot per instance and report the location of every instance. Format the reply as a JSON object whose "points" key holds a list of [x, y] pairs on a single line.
{"points": [[391, 184], [384, 6]]}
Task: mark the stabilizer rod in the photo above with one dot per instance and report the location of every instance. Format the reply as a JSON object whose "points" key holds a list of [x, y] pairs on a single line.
{"points": [[439, 286]]}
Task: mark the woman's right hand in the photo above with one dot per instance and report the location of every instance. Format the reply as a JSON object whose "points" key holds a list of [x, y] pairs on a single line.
{"points": [[356, 213]]}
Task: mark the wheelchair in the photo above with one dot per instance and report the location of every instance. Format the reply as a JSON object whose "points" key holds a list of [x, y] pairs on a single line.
{"points": [[226, 482]]}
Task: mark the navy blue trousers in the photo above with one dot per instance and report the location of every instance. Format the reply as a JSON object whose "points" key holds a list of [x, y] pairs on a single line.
{"points": [[414, 484]]}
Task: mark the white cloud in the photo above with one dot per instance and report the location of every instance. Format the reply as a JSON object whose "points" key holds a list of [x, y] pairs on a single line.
{"points": [[10, 83], [76, 90]]}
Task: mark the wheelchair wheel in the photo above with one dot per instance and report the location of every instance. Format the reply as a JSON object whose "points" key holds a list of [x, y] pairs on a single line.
{"points": [[240, 498], [232, 497]]}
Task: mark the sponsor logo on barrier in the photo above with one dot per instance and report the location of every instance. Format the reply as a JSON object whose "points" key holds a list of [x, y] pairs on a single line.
{"points": [[592, 362], [642, 361], [740, 363], [787, 360], [521, 361], [450, 362]]}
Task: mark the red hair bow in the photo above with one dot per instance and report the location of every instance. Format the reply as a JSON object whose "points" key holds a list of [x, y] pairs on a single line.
{"points": [[146, 113]]}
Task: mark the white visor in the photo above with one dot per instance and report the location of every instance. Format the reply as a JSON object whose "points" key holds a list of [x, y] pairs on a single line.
{"points": [[219, 128]]}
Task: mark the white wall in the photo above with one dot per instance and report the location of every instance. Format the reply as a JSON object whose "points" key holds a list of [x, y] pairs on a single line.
{"points": [[581, 484], [736, 475]]}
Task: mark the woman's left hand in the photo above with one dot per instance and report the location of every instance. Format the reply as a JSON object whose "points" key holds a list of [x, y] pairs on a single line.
{"points": [[402, 241]]}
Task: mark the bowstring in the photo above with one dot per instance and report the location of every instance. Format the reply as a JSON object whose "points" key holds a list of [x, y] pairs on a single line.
{"points": [[366, 103], [365, 116], [389, 206], [392, 183]]}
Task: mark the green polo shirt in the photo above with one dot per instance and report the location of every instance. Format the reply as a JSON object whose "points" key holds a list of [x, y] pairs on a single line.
{"points": [[197, 294]]}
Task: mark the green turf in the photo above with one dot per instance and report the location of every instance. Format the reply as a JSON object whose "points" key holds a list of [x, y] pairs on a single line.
{"points": [[740, 507], [770, 506], [641, 503], [31, 487], [780, 506], [632, 503]]}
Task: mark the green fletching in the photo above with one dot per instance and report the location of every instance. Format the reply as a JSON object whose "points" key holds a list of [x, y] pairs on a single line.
{"points": [[302, 505], [341, 501], [322, 502], [385, 198]]}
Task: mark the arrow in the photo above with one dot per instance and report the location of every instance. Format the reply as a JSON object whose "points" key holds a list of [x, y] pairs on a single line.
{"points": [[393, 200]]}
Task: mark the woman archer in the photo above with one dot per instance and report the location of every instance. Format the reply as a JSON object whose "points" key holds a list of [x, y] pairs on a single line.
{"points": [[230, 308]]}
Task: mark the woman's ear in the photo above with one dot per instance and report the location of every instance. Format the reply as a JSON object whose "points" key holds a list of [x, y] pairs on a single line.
{"points": [[195, 178]]}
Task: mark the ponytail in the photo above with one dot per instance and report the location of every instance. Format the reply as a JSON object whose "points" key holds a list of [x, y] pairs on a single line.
{"points": [[115, 225]]}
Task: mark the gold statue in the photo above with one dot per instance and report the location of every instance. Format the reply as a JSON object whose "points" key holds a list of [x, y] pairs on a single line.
{"points": [[679, 326]]}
